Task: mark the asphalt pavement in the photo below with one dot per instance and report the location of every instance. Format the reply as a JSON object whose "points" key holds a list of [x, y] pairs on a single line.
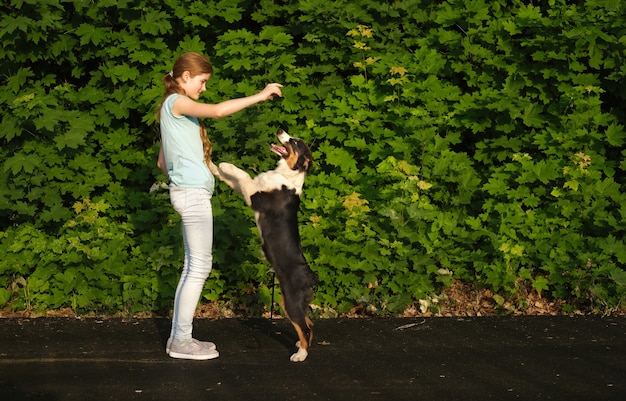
{"points": [[485, 358]]}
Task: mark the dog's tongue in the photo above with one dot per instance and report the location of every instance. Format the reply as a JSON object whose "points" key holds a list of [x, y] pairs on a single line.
{"points": [[279, 150]]}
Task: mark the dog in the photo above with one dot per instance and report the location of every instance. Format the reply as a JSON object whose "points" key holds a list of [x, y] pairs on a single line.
{"points": [[274, 196]]}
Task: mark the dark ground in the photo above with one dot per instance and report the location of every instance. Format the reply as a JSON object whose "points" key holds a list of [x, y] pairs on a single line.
{"points": [[486, 358]]}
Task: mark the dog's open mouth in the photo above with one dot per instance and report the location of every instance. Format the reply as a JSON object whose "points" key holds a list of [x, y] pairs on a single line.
{"points": [[279, 150]]}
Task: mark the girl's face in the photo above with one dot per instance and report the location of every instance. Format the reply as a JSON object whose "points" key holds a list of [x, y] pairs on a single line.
{"points": [[194, 86]]}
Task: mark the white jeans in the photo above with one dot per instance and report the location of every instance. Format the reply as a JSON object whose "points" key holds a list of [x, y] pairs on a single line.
{"points": [[194, 206]]}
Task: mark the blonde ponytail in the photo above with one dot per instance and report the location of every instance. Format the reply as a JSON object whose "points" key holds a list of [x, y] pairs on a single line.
{"points": [[207, 147]]}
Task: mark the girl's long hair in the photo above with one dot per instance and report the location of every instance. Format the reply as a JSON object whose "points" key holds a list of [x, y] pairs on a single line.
{"points": [[196, 64]]}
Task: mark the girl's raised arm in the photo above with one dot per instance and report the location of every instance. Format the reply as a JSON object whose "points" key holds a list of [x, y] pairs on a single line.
{"points": [[189, 107]]}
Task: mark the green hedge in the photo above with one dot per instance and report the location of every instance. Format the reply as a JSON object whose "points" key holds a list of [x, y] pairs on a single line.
{"points": [[471, 140]]}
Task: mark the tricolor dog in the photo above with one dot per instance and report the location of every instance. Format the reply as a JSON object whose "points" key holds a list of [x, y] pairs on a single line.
{"points": [[274, 196]]}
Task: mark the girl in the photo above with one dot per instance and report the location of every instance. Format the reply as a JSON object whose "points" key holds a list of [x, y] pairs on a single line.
{"points": [[184, 157]]}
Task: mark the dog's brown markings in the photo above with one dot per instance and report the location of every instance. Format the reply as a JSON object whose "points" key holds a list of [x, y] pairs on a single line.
{"points": [[304, 342], [293, 157]]}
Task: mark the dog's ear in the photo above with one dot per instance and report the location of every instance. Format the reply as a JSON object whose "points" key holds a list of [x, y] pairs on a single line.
{"points": [[304, 163]]}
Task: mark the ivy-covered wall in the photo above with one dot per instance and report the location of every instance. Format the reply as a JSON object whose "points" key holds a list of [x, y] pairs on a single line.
{"points": [[472, 140]]}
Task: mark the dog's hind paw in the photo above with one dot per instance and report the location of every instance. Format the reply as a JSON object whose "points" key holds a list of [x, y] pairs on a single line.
{"points": [[299, 356]]}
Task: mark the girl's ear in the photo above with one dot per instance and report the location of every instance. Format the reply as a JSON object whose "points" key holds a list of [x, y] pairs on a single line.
{"points": [[185, 76]]}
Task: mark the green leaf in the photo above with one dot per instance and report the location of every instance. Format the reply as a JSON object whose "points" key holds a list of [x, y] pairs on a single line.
{"points": [[9, 127], [91, 34], [50, 120], [5, 296], [17, 81], [595, 55], [155, 23], [75, 136], [532, 115], [10, 23], [229, 12], [540, 283], [143, 56], [615, 134], [547, 170], [619, 276], [340, 158], [21, 162], [529, 11]]}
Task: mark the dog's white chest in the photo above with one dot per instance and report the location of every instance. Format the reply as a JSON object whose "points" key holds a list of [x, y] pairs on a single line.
{"points": [[275, 179]]}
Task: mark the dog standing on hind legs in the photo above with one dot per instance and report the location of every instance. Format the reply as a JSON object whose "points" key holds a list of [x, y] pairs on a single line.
{"points": [[274, 196]]}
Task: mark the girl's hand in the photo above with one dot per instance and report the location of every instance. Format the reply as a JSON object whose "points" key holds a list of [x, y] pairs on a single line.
{"points": [[270, 91]]}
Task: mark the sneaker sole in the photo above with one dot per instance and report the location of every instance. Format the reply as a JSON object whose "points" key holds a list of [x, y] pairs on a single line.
{"points": [[202, 357]]}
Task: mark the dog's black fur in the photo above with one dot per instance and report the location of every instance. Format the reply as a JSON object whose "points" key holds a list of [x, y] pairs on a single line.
{"points": [[274, 196]]}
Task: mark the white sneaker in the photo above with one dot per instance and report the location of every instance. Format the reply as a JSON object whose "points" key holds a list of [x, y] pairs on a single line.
{"points": [[192, 350], [205, 344]]}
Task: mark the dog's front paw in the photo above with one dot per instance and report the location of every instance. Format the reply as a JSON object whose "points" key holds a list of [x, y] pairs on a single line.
{"points": [[227, 168], [214, 169]]}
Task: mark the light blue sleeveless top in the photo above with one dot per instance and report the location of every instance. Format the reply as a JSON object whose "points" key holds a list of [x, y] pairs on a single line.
{"points": [[182, 146]]}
